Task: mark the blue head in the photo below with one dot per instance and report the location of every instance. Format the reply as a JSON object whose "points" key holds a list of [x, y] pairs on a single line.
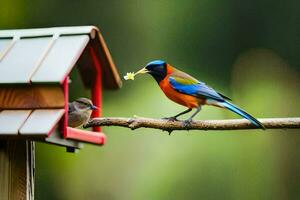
{"points": [[157, 69]]}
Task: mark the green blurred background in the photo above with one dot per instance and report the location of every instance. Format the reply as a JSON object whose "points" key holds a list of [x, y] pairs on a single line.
{"points": [[248, 50]]}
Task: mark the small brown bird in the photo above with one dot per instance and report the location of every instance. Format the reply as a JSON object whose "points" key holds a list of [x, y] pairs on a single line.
{"points": [[80, 112]]}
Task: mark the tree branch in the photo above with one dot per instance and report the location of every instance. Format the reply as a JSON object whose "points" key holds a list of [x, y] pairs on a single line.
{"points": [[165, 125]]}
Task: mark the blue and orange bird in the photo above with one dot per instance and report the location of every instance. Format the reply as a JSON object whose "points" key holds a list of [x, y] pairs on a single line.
{"points": [[189, 92]]}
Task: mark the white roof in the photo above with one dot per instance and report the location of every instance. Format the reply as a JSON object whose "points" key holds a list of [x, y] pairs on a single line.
{"points": [[40, 55], [47, 55]]}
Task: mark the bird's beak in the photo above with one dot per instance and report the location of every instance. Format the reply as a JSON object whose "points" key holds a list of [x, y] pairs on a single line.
{"points": [[94, 107], [142, 71]]}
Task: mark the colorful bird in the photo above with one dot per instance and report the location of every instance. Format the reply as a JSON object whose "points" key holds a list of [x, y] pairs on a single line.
{"points": [[80, 112], [189, 92]]}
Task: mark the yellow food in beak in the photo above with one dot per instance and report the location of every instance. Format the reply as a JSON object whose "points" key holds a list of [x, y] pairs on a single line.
{"points": [[131, 75]]}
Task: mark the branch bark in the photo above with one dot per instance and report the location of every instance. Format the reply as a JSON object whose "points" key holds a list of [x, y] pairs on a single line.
{"points": [[165, 125]]}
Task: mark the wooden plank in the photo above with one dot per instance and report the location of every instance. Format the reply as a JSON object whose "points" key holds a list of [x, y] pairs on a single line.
{"points": [[31, 96], [30, 165], [20, 62], [12, 120], [61, 59], [41, 122], [16, 170]]}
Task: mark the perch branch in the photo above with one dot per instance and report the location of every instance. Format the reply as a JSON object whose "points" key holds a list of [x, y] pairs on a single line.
{"points": [[165, 125]]}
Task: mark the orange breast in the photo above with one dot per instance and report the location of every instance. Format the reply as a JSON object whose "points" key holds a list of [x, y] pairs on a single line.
{"points": [[182, 99]]}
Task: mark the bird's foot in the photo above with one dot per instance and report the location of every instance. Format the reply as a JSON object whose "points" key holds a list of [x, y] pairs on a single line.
{"points": [[172, 119], [85, 125], [187, 123]]}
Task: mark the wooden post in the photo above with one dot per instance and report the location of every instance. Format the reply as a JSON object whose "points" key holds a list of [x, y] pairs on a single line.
{"points": [[16, 170]]}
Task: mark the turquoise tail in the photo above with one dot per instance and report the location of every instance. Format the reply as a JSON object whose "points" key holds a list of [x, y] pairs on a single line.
{"points": [[242, 113]]}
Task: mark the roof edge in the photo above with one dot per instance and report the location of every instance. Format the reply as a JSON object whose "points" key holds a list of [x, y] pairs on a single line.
{"points": [[110, 61], [40, 32]]}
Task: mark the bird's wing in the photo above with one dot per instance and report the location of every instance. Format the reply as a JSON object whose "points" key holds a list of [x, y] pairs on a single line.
{"points": [[186, 84]]}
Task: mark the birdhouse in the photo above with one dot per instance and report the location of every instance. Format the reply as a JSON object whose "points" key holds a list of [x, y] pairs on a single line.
{"points": [[35, 65]]}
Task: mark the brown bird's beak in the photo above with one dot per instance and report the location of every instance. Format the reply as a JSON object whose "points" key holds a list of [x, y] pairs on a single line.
{"points": [[142, 71]]}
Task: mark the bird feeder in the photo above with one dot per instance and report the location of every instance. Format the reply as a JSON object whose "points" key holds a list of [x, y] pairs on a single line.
{"points": [[35, 65]]}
